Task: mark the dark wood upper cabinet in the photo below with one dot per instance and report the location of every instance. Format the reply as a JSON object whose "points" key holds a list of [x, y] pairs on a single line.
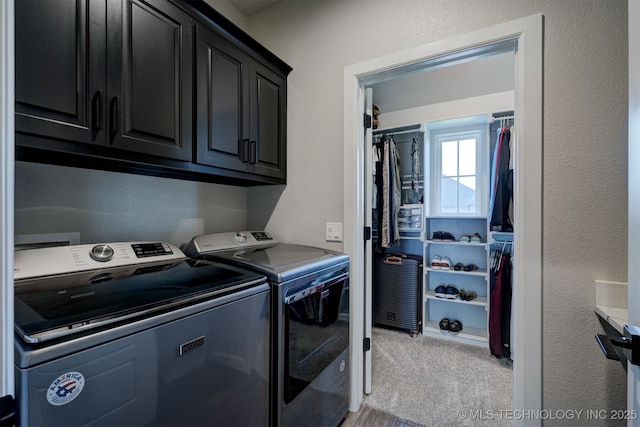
{"points": [[222, 102], [115, 72], [267, 153], [241, 104], [149, 86], [60, 69], [159, 87]]}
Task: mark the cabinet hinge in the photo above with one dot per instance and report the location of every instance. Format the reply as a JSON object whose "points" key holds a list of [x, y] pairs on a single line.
{"points": [[367, 233], [366, 344], [367, 121]]}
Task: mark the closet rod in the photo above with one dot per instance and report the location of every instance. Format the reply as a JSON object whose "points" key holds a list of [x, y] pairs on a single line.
{"points": [[497, 119], [398, 131], [402, 132], [502, 114], [501, 242]]}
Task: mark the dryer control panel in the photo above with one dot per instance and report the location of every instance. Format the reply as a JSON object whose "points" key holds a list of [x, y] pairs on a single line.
{"points": [[218, 242], [30, 263]]}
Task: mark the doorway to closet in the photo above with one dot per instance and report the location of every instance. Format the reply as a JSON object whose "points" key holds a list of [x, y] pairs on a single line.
{"points": [[438, 128], [527, 35]]}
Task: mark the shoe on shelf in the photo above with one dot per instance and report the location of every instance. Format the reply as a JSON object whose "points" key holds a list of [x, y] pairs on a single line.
{"points": [[471, 296], [455, 326], [441, 291], [459, 266], [464, 296], [436, 262], [470, 267], [475, 238], [445, 263], [447, 237], [465, 238], [451, 292], [437, 236], [444, 324]]}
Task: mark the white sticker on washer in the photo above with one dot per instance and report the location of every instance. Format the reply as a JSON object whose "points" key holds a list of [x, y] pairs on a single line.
{"points": [[65, 388]]}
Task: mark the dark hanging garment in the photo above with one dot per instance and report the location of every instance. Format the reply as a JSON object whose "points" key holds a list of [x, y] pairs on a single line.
{"points": [[500, 310], [495, 316], [506, 305], [502, 190]]}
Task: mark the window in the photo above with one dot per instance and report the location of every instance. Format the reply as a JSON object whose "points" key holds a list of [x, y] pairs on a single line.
{"points": [[459, 170]]}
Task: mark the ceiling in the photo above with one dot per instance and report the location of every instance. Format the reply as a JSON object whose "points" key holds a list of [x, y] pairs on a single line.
{"points": [[483, 76], [251, 7]]}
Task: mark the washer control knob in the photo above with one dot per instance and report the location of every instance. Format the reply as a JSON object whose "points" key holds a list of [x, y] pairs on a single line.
{"points": [[241, 237], [101, 253]]}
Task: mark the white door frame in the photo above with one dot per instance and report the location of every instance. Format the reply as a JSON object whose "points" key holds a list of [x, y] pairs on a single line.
{"points": [[527, 296], [6, 195], [633, 269]]}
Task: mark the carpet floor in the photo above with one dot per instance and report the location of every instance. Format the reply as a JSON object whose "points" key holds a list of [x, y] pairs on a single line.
{"points": [[438, 382]]}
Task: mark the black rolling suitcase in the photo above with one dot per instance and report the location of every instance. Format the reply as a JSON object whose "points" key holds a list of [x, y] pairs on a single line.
{"points": [[397, 291]]}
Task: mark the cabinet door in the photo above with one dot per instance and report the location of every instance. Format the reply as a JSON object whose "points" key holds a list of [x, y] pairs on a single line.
{"points": [[59, 70], [222, 99], [267, 143], [149, 57]]}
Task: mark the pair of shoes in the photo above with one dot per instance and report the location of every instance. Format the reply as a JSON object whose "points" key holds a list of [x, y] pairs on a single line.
{"points": [[470, 267], [475, 238], [440, 263], [446, 291], [443, 236], [453, 327], [459, 266], [467, 296]]}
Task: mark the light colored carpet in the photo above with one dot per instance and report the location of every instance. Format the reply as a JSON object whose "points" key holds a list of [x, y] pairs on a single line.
{"points": [[438, 382]]}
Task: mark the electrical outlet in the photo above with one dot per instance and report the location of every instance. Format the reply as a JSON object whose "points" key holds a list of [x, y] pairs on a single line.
{"points": [[334, 232]]}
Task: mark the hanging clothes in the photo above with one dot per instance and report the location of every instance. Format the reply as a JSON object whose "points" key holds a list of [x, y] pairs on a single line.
{"points": [[500, 307], [501, 184], [415, 196], [389, 187], [512, 145]]}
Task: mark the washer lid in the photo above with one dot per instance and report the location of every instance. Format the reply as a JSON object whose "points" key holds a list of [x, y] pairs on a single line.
{"points": [[282, 262], [47, 308]]}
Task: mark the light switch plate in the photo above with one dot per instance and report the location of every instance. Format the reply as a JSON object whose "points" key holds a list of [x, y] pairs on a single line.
{"points": [[334, 232]]}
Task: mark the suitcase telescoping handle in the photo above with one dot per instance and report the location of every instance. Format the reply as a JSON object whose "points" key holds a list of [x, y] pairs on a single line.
{"points": [[393, 260]]}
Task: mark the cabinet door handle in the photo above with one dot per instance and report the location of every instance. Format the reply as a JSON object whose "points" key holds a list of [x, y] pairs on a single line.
{"points": [[244, 151], [96, 110], [115, 119], [253, 154]]}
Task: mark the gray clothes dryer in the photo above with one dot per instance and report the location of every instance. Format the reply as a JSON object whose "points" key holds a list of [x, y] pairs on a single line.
{"points": [[310, 321]]}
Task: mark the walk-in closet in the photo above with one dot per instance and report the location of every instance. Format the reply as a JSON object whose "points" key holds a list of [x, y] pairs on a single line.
{"points": [[442, 238]]}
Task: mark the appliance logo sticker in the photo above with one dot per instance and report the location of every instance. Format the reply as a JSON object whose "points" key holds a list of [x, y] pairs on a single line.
{"points": [[65, 388]]}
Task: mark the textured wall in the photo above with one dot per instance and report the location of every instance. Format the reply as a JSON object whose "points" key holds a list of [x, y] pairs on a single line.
{"points": [[109, 206], [585, 168]]}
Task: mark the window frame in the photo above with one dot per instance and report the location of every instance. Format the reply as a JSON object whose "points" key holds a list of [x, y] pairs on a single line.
{"points": [[449, 132]]}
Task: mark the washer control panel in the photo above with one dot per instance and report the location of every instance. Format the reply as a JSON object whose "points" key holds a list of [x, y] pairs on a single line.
{"points": [[30, 263], [218, 242]]}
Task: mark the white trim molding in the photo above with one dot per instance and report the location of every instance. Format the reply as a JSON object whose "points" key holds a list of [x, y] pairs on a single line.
{"points": [[6, 193], [526, 35]]}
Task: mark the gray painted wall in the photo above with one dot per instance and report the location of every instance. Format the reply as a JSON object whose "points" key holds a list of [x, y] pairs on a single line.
{"points": [[109, 206], [585, 168]]}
